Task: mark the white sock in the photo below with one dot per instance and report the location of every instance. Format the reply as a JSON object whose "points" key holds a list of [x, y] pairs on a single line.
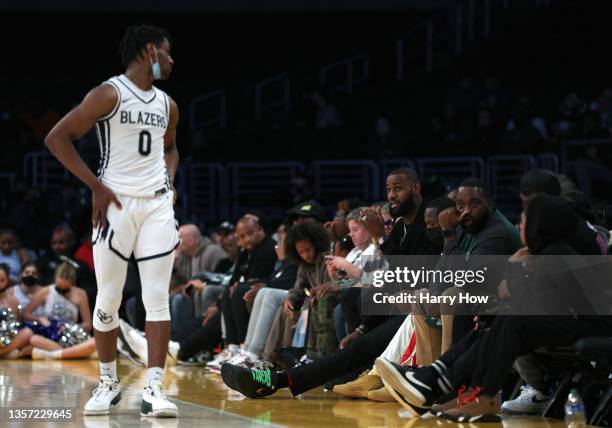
{"points": [[57, 354], [108, 369], [154, 374], [251, 356], [233, 348]]}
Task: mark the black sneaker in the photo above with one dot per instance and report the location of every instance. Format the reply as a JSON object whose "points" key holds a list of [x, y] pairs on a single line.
{"points": [[420, 387], [249, 382], [416, 411]]}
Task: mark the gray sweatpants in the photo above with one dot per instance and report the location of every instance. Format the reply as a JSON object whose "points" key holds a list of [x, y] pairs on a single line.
{"points": [[266, 303]]}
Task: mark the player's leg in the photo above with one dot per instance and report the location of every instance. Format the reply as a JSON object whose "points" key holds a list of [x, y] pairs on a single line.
{"points": [[111, 250], [111, 271], [154, 252]]}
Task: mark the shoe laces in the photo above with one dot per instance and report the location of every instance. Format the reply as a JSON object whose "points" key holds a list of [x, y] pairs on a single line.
{"points": [[238, 359], [526, 391], [459, 394], [263, 377], [262, 365], [472, 396], [157, 389], [106, 385]]}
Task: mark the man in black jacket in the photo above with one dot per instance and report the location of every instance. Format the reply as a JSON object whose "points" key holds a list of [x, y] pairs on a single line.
{"points": [[255, 263]]}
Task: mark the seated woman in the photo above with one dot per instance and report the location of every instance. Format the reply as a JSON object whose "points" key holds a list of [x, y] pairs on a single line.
{"points": [[29, 285], [13, 337], [56, 334]]}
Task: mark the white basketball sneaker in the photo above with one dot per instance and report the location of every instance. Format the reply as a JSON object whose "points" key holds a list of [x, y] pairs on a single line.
{"points": [[155, 404], [529, 402], [139, 346], [107, 394]]}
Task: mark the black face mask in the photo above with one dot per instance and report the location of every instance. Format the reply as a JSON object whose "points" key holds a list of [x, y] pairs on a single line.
{"points": [[29, 280], [434, 235], [62, 291]]}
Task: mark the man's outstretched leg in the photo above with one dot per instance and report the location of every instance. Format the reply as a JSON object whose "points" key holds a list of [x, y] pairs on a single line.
{"points": [[155, 279]]}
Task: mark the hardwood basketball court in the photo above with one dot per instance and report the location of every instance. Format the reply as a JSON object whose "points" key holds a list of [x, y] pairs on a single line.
{"points": [[203, 400]]}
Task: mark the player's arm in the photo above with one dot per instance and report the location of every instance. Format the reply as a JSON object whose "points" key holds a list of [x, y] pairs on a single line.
{"points": [[84, 310], [171, 153], [99, 102]]}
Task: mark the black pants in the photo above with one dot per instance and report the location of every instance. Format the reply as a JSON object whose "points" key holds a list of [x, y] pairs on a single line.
{"points": [[361, 351], [489, 360], [350, 299], [235, 314], [201, 337]]}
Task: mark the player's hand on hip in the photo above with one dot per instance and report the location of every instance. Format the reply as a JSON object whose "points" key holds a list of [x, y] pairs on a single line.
{"points": [[173, 190], [101, 198]]}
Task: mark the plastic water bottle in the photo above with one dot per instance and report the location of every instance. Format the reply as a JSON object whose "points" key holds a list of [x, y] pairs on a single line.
{"points": [[574, 410]]}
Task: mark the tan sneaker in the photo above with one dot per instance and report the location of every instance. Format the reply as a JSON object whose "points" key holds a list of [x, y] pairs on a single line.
{"points": [[462, 394], [380, 394], [360, 387], [475, 408]]}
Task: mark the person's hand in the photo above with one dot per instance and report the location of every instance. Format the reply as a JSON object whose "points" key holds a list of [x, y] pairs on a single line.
{"points": [[374, 222], [343, 208], [210, 313], [233, 288], [250, 295], [101, 198], [44, 321], [450, 218], [192, 286], [348, 339], [318, 292], [288, 308], [502, 290], [519, 256], [336, 262], [198, 284], [332, 272]]}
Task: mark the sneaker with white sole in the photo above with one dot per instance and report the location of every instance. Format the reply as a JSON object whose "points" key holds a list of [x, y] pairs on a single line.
{"points": [[222, 357], [529, 402], [106, 395], [139, 346], [155, 404], [241, 359]]}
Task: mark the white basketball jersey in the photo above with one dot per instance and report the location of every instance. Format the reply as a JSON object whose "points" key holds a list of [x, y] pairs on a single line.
{"points": [[131, 141]]}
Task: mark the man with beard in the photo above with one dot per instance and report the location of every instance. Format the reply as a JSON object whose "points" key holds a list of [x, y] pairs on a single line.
{"points": [[474, 215], [470, 230], [408, 236]]}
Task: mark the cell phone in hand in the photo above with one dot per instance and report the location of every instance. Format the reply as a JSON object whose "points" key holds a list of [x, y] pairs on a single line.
{"points": [[189, 289]]}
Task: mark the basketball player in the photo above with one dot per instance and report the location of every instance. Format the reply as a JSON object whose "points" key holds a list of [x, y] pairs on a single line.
{"points": [[132, 199]]}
